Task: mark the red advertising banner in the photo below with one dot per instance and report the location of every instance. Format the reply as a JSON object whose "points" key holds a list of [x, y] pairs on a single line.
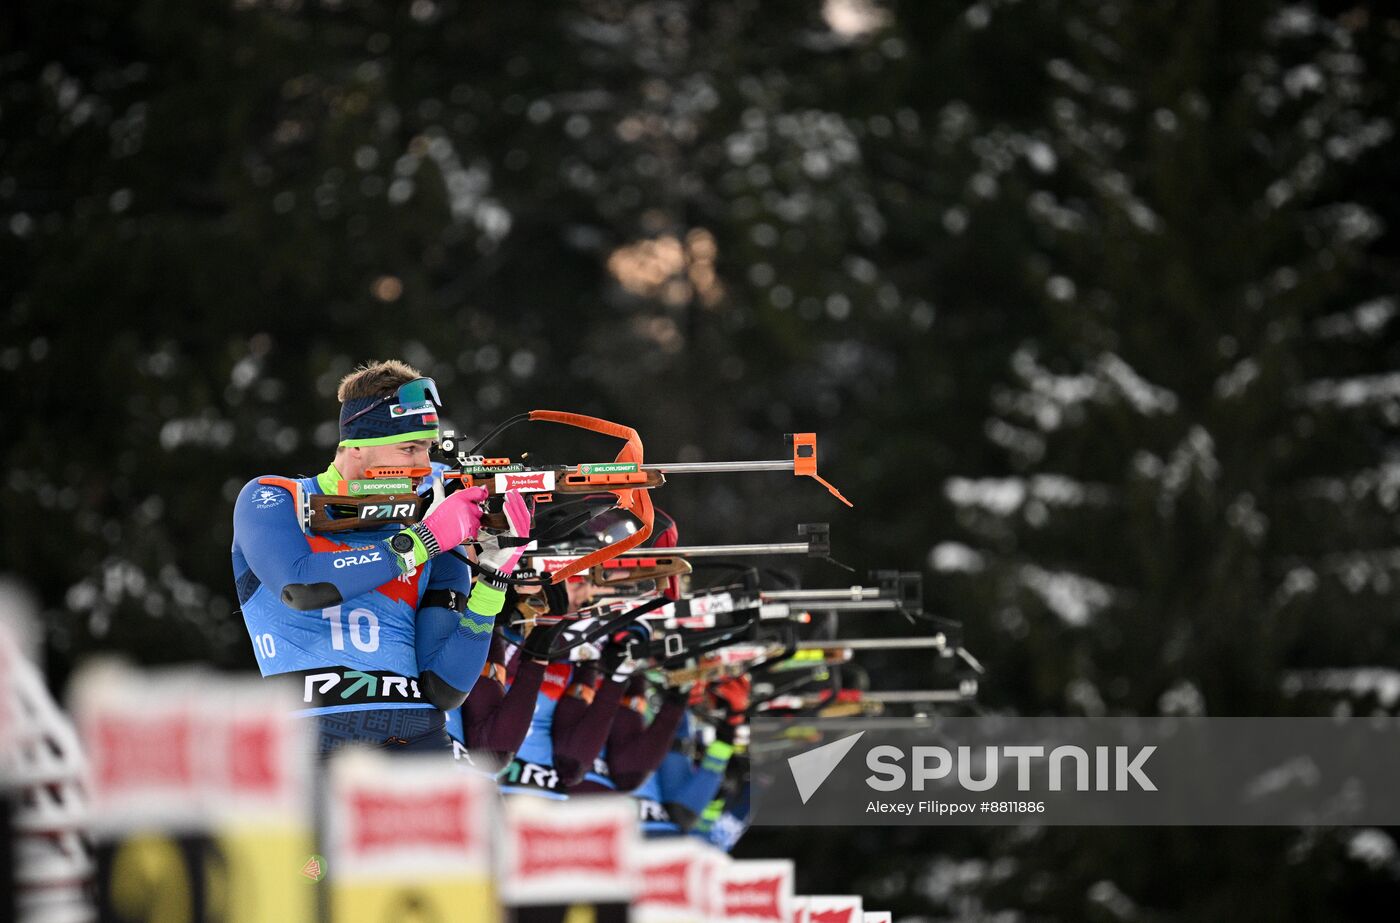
{"points": [[190, 750], [680, 882], [581, 850], [759, 891], [407, 815], [832, 909]]}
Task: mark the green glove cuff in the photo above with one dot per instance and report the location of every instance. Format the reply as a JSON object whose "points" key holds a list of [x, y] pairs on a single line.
{"points": [[712, 811], [486, 599], [717, 756]]}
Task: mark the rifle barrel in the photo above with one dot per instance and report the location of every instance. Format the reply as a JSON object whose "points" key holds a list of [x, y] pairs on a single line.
{"points": [[719, 467], [876, 644], [717, 551], [854, 605], [854, 593], [899, 696]]}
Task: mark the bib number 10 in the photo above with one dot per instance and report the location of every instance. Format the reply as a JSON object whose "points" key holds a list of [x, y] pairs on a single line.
{"points": [[364, 629]]}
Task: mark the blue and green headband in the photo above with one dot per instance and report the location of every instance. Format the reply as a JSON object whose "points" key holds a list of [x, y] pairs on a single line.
{"points": [[407, 413]]}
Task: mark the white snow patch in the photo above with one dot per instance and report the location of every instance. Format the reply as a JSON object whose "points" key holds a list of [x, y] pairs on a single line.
{"points": [[1244, 514], [1073, 597], [1345, 393], [1381, 482], [945, 879], [205, 431], [1236, 381], [1302, 79], [955, 557], [1060, 288], [1194, 455], [1384, 480], [1142, 216], [1004, 496], [1381, 682], [1000, 496], [1299, 773], [1111, 898], [1027, 444], [1372, 847], [1043, 206], [1146, 465], [1298, 581], [1183, 698], [1366, 319], [1109, 379], [1040, 156], [1085, 696], [853, 19], [1375, 569], [1059, 490], [1145, 397], [1291, 21]]}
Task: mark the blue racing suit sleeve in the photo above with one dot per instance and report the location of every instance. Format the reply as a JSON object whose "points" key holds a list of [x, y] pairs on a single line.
{"points": [[284, 558], [726, 820], [452, 646], [687, 789]]}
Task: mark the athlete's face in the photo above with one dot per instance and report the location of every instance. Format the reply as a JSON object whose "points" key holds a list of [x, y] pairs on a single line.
{"points": [[359, 459], [580, 590]]}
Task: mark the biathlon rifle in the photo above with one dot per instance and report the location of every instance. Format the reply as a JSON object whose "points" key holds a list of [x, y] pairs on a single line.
{"points": [[624, 572], [629, 477], [823, 658], [387, 496]]}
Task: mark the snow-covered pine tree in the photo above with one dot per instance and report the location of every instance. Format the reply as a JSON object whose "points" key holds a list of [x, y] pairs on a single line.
{"points": [[1199, 486], [1196, 506]]}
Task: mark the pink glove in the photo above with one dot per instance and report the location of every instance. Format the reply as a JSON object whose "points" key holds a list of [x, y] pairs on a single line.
{"points": [[453, 520], [504, 560]]}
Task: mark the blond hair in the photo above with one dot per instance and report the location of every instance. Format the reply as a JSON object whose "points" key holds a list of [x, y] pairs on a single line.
{"points": [[375, 378]]}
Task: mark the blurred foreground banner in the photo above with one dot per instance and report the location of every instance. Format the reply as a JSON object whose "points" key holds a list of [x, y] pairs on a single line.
{"points": [[682, 882], [828, 908], [1077, 771], [759, 891], [408, 837], [200, 795], [566, 861]]}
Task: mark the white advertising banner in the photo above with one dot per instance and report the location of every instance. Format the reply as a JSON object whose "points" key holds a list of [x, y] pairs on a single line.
{"points": [[758, 891], [586, 849], [407, 818]]}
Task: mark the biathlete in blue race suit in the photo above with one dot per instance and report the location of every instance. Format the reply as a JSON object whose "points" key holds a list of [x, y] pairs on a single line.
{"points": [[382, 626], [635, 748], [672, 799], [729, 815], [492, 723], [675, 799], [573, 714]]}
